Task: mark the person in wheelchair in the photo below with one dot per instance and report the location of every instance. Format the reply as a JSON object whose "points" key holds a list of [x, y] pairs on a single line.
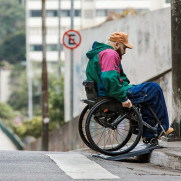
{"points": [[105, 68]]}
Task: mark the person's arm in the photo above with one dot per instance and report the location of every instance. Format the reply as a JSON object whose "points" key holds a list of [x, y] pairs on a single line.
{"points": [[110, 76]]}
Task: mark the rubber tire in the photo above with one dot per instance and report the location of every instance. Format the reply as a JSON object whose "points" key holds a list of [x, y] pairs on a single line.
{"points": [[81, 132], [109, 152]]}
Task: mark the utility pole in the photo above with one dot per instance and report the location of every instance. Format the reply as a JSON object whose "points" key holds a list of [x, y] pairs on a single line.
{"points": [[45, 117], [29, 69], [59, 47], [71, 81], [176, 65], [59, 55]]}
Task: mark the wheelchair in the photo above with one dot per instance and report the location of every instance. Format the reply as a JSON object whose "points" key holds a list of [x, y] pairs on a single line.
{"points": [[107, 127]]}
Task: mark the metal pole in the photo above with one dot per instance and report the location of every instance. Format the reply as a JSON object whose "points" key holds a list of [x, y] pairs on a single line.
{"points": [[71, 81], [28, 69], [59, 55], [176, 64], [59, 47], [45, 117], [0, 86]]}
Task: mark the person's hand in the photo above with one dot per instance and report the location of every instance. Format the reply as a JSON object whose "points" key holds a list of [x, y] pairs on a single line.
{"points": [[127, 104]]}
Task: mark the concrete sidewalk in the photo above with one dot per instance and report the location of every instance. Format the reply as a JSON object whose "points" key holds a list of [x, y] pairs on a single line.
{"points": [[169, 156]]}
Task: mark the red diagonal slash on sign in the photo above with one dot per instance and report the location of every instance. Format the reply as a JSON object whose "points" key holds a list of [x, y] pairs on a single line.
{"points": [[71, 38]]}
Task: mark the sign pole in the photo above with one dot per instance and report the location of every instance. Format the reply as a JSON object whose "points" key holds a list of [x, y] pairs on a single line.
{"points": [[59, 47], [29, 68], [45, 117], [71, 81], [71, 40]]}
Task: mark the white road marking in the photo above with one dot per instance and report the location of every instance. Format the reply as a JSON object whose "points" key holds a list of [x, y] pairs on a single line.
{"points": [[78, 166]]}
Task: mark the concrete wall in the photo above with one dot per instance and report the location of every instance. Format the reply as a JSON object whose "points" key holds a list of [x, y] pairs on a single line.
{"points": [[149, 33]]}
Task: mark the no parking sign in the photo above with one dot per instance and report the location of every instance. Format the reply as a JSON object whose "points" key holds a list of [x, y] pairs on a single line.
{"points": [[71, 39]]}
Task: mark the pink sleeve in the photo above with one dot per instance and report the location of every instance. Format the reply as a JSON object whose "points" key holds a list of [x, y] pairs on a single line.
{"points": [[109, 60]]}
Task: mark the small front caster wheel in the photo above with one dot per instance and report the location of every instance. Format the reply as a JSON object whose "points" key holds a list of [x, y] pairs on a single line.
{"points": [[154, 141]]}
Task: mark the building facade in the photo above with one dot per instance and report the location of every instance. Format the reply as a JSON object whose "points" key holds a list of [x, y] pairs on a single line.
{"points": [[87, 13]]}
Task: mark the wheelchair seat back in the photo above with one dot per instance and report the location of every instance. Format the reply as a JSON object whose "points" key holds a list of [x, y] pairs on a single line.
{"points": [[91, 89]]}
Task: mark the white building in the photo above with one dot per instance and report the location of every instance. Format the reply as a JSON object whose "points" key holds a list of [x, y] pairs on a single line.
{"points": [[87, 13]]}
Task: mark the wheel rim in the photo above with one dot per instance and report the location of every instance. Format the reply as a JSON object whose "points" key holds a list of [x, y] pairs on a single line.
{"points": [[107, 138], [112, 141]]}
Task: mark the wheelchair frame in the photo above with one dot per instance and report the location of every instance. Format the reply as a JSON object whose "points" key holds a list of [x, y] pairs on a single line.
{"points": [[94, 101]]}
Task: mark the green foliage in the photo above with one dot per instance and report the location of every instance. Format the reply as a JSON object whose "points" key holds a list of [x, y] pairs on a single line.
{"points": [[6, 112], [19, 87], [12, 48], [19, 97], [56, 102], [34, 127], [20, 131], [12, 31], [12, 17], [30, 128], [19, 100]]}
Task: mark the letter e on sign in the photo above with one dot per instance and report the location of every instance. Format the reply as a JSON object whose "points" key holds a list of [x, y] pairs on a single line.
{"points": [[71, 39]]}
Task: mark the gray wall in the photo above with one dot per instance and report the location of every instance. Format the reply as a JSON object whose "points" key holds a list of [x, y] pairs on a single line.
{"points": [[150, 33]]}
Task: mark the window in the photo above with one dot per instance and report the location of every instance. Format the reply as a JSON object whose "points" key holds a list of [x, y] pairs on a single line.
{"points": [[101, 12], [65, 13], [116, 10], [35, 13], [77, 13], [35, 48], [50, 47], [167, 1], [52, 13]]}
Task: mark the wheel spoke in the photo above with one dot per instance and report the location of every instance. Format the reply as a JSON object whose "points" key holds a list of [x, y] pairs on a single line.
{"points": [[97, 134], [112, 141]]}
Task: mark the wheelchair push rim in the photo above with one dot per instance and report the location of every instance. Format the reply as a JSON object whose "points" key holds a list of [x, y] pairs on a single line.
{"points": [[108, 140]]}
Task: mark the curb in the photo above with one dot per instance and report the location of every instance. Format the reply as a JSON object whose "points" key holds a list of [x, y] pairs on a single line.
{"points": [[169, 157], [166, 159]]}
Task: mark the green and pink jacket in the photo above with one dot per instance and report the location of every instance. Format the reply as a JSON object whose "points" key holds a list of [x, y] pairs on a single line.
{"points": [[104, 67]]}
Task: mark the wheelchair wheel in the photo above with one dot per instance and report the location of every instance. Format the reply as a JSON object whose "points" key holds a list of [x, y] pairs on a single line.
{"points": [[81, 126], [112, 129]]}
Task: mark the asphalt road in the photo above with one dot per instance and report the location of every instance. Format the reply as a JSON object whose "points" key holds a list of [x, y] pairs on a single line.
{"points": [[39, 166]]}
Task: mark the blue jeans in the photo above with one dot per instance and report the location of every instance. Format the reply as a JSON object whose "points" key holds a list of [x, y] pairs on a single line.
{"points": [[150, 93]]}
